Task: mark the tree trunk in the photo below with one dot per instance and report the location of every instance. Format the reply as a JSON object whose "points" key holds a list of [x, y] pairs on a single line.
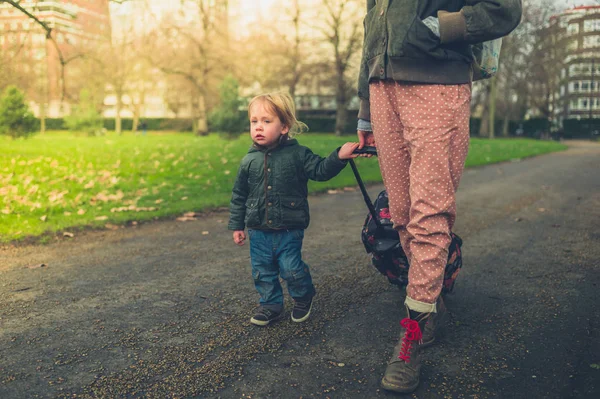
{"points": [[492, 110], [341, 118], [341, 100], [505, 125], [202, 125], [136, 120], [118, 114], [43, 108]]}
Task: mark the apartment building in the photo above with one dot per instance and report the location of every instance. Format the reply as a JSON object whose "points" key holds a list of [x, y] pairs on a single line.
{"points": [[575, 40], [75, 24]]}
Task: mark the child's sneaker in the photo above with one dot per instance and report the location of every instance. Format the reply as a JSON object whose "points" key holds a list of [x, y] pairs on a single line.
{"points": [[301, 310], [264, 316]]}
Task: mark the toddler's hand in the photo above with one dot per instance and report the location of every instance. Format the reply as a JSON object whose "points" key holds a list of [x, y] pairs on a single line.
{"points": [[346, 152], [239, 237]]}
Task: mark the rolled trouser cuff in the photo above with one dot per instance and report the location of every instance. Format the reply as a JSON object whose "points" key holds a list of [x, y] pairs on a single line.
{"points": [[421, 307]]}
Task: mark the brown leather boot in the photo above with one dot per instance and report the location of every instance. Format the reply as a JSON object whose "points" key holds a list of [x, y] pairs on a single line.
{"points": [[436, 320], [403, 369]]}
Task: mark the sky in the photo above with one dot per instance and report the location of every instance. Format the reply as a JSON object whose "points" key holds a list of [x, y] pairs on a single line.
{"points": [[242, 12], [575, 3]]}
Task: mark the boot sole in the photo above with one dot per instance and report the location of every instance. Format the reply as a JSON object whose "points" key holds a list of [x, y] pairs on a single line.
{"points": [[300, 320], [388, 386], [262, 323]]}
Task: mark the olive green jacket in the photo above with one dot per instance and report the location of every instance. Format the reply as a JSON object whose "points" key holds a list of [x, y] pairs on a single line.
{"points": [[399, 46], [271, 188]]}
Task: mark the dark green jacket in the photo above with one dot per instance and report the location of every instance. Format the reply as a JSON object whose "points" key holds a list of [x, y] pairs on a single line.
{"points": [[398, 45], [271, 188]]}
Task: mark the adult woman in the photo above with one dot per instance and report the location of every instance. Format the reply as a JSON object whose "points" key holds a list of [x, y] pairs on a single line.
{"points": [[415, 91]]}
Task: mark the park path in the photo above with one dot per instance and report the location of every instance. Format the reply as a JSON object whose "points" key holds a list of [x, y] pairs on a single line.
{"points": [[161, 310]]}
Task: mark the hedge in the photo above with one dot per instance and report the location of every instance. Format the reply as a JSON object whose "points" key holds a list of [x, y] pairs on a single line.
{"points": [[177, 124]]}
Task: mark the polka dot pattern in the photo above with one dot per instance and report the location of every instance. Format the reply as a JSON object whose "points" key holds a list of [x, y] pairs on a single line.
{"points": [[422, 137]]}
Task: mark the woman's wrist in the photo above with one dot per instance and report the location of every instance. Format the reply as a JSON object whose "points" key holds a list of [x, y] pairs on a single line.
{"points": [[364, 125]]}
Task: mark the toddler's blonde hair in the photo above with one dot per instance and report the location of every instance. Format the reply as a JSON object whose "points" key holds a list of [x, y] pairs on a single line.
{"points": [[282, 105]]}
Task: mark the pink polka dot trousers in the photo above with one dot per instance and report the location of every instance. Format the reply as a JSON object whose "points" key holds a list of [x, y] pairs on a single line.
{"points": [[422, 137]]}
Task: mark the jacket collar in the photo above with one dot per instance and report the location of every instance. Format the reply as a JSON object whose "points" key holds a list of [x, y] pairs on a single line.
{"points": [[284, 141]]}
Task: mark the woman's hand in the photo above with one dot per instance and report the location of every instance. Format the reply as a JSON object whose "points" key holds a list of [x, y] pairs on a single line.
{"points": [[346, 152], [239, 237], [365, 138]]}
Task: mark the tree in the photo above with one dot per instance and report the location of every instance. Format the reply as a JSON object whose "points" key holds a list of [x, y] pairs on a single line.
{"points": [[342, 31], [84, 116], [197, 50], [226, 117], [16, 119]]}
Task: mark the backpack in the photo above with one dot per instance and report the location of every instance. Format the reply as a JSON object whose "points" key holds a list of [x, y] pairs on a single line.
{"points": [[387, 255]]}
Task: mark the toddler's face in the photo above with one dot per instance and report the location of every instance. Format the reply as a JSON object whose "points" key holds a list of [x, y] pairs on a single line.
{"points": [[265, 126]]}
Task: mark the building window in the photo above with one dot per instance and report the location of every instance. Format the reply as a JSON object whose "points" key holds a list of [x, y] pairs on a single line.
{"points": [[591, 25], [573, 29], [574, 105], [591, 41]]}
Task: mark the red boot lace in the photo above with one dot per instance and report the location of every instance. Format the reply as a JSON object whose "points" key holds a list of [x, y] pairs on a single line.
{"points": [[413, 333]]}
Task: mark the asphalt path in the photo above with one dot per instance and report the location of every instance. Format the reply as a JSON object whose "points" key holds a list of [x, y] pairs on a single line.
{"points": [[161, 310]]}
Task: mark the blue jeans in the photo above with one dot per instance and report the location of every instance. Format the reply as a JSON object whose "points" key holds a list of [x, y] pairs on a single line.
{"points": [[275, 253]]}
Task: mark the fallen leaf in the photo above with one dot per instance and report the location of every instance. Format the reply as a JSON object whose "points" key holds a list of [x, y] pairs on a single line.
{"points": [[81, 212], [67, 234], [227, 172], [332, 191], [101, 217], [158, 201], [518, 219], [67, 213], [111, 226], [43, 218], [37, 266], [205, 233], [542, 209], [189, 214], [184, 198], [185, 218]]}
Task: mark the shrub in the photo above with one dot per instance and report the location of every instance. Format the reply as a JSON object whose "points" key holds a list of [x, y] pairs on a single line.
{"points": [[226, 117], [16, 119], [84, 116]]}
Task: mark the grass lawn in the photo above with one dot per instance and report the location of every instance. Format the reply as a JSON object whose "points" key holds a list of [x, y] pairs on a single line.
{"points": [[60, 182]]}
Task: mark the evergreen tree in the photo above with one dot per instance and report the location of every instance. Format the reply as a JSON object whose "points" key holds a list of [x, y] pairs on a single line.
{"points": [[16, 119]]}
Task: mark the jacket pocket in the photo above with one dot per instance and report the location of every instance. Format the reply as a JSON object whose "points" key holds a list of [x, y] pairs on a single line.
{"points": [[294, 211], [421, 42], [252, 212]]}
